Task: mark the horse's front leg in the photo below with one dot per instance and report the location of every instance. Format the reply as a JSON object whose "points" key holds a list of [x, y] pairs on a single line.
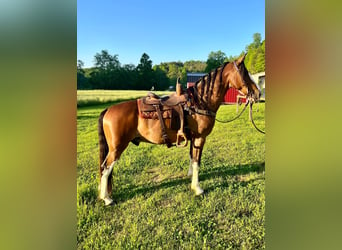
{"points": [[190, 154], [197, 147]]}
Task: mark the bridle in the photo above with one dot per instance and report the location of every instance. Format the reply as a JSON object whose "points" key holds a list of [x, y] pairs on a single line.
{"points": [[250, 91]]}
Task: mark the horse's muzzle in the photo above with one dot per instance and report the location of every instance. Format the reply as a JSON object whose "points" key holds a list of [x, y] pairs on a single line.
{"points": [[254, 97]]}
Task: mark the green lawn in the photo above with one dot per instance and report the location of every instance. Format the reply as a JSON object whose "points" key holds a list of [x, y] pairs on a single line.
{"points": [[93, 97], [155, 208]]}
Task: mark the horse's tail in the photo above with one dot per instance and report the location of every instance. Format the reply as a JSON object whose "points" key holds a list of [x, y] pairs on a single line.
{"points": [[102, 142]]}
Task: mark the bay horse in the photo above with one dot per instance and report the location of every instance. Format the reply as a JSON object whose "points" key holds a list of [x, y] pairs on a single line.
{"points": [[121, 124]]}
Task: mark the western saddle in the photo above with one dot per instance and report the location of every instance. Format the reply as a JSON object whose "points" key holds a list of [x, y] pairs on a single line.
{"points": [[163, 107]]}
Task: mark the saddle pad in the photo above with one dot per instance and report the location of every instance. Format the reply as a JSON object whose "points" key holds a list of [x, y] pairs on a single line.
{"points": [[154, 115], [170, 116], [148, 111]]}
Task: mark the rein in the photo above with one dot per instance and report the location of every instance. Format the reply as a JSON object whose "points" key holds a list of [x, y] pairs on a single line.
{"points": [[236, 116], [251, 117]]}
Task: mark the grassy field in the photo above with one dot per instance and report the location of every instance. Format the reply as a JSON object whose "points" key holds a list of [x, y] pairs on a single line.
{"points": [[154, 206], [93, 97]]}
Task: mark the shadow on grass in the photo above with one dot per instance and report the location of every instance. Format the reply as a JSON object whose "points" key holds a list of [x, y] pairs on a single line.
{"points": [[129, 193], [89, 195]]}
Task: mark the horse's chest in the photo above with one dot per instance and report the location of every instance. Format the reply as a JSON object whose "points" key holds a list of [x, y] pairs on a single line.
{"points": [[201, 125]]}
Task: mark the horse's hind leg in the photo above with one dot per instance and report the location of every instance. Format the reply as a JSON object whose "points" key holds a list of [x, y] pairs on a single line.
{"points": [[119, 128], [105, 175]]}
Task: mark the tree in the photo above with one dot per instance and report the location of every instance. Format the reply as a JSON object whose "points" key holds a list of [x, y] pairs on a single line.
{"points": [[256, 40], [161, 79], [82, 80], [173, 73], [255, 59], [215, 59], [145, 73], [233, 58], [260, 58], [195, 66], [105, 61], [106, 73]]}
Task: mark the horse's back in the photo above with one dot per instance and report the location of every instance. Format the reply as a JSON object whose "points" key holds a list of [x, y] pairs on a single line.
{"points": [[120, 123]]}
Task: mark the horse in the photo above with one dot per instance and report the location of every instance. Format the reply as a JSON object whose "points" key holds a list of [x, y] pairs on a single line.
{"points": [[121, 124]]}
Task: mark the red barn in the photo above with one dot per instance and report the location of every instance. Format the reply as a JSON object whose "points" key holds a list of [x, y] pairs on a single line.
{"points": [[232, 96]]}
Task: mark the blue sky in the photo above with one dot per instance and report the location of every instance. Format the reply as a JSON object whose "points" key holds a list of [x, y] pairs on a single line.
{"points": [[177, 30]]}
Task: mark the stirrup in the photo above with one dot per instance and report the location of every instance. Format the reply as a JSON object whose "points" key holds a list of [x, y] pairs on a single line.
{"points": [[179, 135]]}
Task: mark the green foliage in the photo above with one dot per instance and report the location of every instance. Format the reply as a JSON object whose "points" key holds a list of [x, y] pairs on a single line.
{"points": [[106, 62], [195, 66], [215, 59], [162, 82], [145, 73], [105, 74], [82, 80], [173, 70], [233, 58], [255, 59], [155, 208]]}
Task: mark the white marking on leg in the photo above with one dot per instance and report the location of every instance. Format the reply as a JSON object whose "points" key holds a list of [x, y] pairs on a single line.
{"points": [[194, 183], [104, 181], [190, 168]]}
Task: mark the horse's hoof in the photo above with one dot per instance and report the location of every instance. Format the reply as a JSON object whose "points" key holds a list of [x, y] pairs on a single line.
{"points": [[198, 191], [108, 201]]}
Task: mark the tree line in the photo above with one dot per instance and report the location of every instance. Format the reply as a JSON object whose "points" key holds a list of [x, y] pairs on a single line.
{"points": [[108, 73]]}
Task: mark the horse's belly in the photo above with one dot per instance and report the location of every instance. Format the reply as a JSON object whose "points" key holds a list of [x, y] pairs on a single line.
{"points": [[151, 131]]}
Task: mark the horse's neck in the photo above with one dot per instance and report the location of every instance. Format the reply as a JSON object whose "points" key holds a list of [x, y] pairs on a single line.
{"points": [[211, 97]]}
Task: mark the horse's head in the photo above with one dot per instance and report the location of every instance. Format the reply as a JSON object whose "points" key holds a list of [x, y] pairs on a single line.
{"points": [[242, 81]]}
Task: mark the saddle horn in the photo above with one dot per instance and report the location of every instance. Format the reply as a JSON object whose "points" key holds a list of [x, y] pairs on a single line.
{"points": [[178, 87]]}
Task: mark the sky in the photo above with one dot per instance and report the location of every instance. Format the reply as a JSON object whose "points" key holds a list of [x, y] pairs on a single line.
{"points": [[177, 30]]}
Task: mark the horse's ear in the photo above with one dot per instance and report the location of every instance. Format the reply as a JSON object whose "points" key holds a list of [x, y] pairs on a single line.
{"points": [[241, 58]]}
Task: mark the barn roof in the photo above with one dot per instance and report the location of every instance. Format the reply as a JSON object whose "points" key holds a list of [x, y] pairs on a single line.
{"points": [[193, 77], [196, 74]]}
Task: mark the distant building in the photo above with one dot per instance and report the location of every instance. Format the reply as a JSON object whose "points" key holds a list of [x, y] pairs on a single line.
{"points": [[232, 94], [192, 78], [259, 79]]}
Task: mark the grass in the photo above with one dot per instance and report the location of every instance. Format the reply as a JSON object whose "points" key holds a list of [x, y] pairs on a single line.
{"points": [[154, 206], [96, 97]]}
